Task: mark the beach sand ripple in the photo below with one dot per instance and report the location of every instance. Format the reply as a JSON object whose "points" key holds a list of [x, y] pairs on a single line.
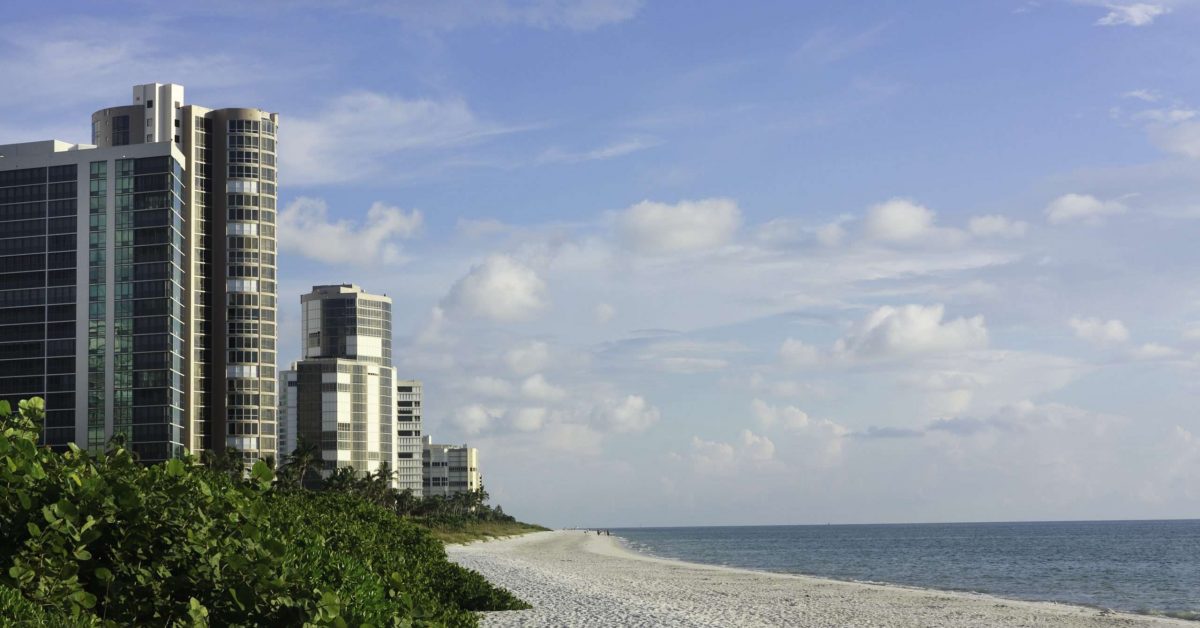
{"points": [[577, 579]]}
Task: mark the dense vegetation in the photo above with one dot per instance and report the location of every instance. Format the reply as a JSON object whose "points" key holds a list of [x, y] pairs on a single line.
{"points": [[95, 540]]}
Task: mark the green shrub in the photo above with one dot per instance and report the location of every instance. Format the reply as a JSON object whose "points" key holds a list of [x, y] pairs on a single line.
{"points": [[386, 566], [105, 538]]}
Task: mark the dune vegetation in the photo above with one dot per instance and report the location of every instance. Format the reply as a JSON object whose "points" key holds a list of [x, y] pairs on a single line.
{"points": [[104, 540]]}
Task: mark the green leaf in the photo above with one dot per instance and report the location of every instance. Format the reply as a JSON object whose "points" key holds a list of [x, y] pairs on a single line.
{"points": [[175, 467], [83, 598], [36, 472], [5, 408], [33, 528], [81, 553], [104, 575]]}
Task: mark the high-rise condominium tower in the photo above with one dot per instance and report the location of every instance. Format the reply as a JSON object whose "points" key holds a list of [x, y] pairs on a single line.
{"points": [[137, 278], [339, 396], [408, 435]]}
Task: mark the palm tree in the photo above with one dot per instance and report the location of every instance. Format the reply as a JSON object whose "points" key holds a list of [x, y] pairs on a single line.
{"points": [[227, 461], [303, 465]]}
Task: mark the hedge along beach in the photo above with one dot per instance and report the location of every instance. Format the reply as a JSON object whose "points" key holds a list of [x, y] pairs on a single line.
{"points": [[583, 579]]}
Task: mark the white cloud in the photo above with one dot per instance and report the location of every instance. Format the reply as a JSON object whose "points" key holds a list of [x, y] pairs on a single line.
{"points": [[1135, 14], [996, 225], [359, 136], [1081, 207], [757, 448], [486, 386], [605, 313], [711, 456], [796, 353], [632, 414], [528, 358], [580, 15], [536, 387], [529, 419], [900, 220], [609, 151], [687, 226], [473, 418], [1144, 95], [911, 330], [1182, 138], [1098, 331], [305, 227], [769, 416], [1155, 351], [831, 234], [690, 364], [501, 289]]}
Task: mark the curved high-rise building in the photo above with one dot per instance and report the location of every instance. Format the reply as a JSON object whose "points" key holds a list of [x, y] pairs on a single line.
{"points": [[161, 241]]}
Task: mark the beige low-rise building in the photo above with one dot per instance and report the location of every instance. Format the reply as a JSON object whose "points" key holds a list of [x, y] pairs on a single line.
{"points": [[449, 469]]}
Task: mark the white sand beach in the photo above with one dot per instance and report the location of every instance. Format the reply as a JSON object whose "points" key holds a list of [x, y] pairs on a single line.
{"points": [[577, 579]]}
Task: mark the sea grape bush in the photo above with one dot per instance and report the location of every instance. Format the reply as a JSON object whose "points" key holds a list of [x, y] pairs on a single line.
{"points": [[105, 540]]}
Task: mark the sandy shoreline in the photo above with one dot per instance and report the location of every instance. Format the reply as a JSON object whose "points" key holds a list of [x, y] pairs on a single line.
{"points": [[577, 579]]}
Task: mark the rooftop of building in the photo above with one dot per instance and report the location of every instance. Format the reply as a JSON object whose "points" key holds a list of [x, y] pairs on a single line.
{"points": [[344, 288]]}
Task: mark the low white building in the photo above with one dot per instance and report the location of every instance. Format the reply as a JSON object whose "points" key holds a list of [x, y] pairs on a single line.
{"points": [[449, 469]]}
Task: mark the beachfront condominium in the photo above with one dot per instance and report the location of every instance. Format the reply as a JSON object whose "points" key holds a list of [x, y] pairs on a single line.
{"points": [[137, 278], [449, 469], [408, 436], [339, 397]]}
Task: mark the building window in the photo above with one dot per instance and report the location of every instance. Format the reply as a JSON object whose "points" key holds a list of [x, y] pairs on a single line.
{"points": [[150, 104]]}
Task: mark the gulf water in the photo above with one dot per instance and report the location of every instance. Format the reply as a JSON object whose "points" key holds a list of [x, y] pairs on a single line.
{"points": [[1138, 566]]}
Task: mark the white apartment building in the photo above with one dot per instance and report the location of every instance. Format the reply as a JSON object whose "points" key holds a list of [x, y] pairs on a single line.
{"points": [[408, 436], [340, 396], [449, 469]]}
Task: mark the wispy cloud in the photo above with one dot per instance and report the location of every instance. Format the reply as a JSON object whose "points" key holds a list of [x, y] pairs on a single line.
{"points": [[608, 151], [366, 135], [1135, 14]]}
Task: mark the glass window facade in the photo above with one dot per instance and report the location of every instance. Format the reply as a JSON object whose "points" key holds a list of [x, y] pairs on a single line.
{"points": [[37, 292]]}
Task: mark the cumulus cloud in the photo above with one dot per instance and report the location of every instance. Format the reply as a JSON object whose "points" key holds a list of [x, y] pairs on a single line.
{"points": [[631, 414], [528, 358], [529, 419], [360, 135], [486, 386], [1133, 14], [1155, 351], [757, 448], [901, 220], [1081, 207], [536, 387], [898, 220], [797, 353], [501, 289], [1181, 138], [994, 225], [911, 330], [687, 226], [473, 418], [769, 416], [711, 456], [305, 228], [1098, 331]]}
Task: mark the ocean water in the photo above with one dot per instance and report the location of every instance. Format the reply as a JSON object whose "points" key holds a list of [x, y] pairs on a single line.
{"points": [[1138, 566]]}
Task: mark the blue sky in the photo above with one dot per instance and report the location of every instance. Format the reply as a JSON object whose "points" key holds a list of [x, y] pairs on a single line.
{"points": [[704, 263]]}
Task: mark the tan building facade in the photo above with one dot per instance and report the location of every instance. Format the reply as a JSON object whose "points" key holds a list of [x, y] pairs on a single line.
{"points": [[449, 469]]}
